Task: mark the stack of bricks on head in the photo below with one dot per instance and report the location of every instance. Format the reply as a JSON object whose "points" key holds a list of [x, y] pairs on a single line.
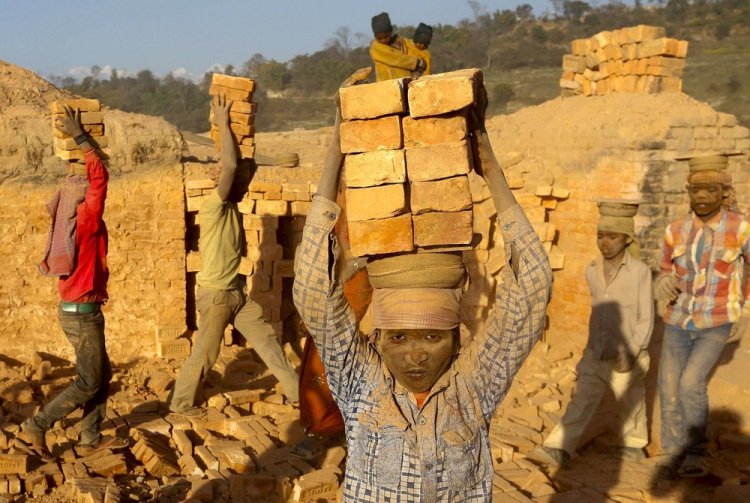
{"points": [[634, 59], [239, 91], [92, 123], [410, 183], [407, 161]]}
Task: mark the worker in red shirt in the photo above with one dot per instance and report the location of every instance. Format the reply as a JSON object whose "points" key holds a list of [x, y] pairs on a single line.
{"points": [[77, 254]]}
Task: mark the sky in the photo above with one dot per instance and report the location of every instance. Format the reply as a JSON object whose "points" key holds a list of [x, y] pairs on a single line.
{"points": [[188, 37]]}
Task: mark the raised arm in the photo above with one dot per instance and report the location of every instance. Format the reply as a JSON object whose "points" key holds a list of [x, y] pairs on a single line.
{"points": [[318, 292], [518, 317], [96, 194], [228, 156]]}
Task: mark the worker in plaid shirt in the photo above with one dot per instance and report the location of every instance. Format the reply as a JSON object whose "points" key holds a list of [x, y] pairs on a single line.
{"points": [[417, 407]]}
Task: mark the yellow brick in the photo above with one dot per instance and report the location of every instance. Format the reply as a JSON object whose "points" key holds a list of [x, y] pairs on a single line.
{"points": [[367, 101], [374, 168], [438, 161], [389, 235], [369, 135], [375, 202]]}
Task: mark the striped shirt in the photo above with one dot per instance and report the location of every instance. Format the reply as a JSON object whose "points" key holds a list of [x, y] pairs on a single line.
{"points": [[707, 260], [398, 452]]}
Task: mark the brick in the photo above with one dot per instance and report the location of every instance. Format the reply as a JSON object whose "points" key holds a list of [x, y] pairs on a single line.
{"points": [[375, 202], [388, 235], [234, 117], [644, 32], [232, 82], [334, 456], [188, 465], [581, 46], [14, 463], [449, 194], [434, 130], [237, 460], [209, 460], [275, 208], [374, 168], [109, 466], [246, 151], [368, 135], [244, 107], [368, 101], [170, 332], [182, 441], [317, 485], [238, 130], [300, 208], [443, 228], [178, 348], [88, 117], [571, 63], [660, 46], [443, 93], [82, 104], [438, 161], [95, 130], [260, 222], [231, 94], [263, 408]]}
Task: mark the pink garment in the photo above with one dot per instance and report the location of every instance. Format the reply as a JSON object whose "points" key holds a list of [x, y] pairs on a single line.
{"points": [[60, 253], [410, 308]]}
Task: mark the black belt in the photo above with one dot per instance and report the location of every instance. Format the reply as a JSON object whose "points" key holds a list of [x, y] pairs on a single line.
{"points": [[81, 307]]}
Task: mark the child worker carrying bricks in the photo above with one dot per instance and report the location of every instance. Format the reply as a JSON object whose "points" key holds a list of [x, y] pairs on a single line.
{"points": [[77, 254], [390, 54], [620, 326], [417, 407], [222, 296], [704, 282]]}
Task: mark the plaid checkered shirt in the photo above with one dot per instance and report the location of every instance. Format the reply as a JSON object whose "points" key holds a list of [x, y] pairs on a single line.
{"points": [[396, 451], [707, 260]]}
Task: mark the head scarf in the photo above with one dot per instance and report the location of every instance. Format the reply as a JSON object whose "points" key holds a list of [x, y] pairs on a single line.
{"points": [[617, 216], [60, 253], [713, 169], [381, 23], [423, 34], [416, 308]]}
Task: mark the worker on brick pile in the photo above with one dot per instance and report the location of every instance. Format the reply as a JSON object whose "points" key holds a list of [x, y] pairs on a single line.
{"points": [[616, 356], [419, 46], [389, 52], [703, 282], [77, 254], [417, 407], [222, 297]]}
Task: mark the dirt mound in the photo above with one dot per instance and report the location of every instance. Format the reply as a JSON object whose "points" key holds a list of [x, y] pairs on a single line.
{"points": [[26, 141]]}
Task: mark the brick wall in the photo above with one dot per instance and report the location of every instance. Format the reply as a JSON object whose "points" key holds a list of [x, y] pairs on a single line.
{"points": [[618, 145], [145, 218]]}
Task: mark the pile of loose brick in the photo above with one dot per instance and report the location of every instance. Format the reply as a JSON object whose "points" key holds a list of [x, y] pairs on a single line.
{"points": [[633, 59], [92, 122], [241, 450], [239, 91]]}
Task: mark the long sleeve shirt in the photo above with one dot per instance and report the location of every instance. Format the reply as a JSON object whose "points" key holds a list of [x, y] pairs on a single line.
{"points": [[622, 312], [390, 62], [397, 451], [708, 261], [88, 282], [411, 48]]}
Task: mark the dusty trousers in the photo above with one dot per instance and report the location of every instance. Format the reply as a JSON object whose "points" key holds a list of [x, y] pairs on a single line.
{"points": [[594, 377], [219, 308], [91, 387]]}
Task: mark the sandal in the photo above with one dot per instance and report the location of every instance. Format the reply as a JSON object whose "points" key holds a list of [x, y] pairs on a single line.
{"points": [[32, 442], [694, 466], [105, 442]]}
